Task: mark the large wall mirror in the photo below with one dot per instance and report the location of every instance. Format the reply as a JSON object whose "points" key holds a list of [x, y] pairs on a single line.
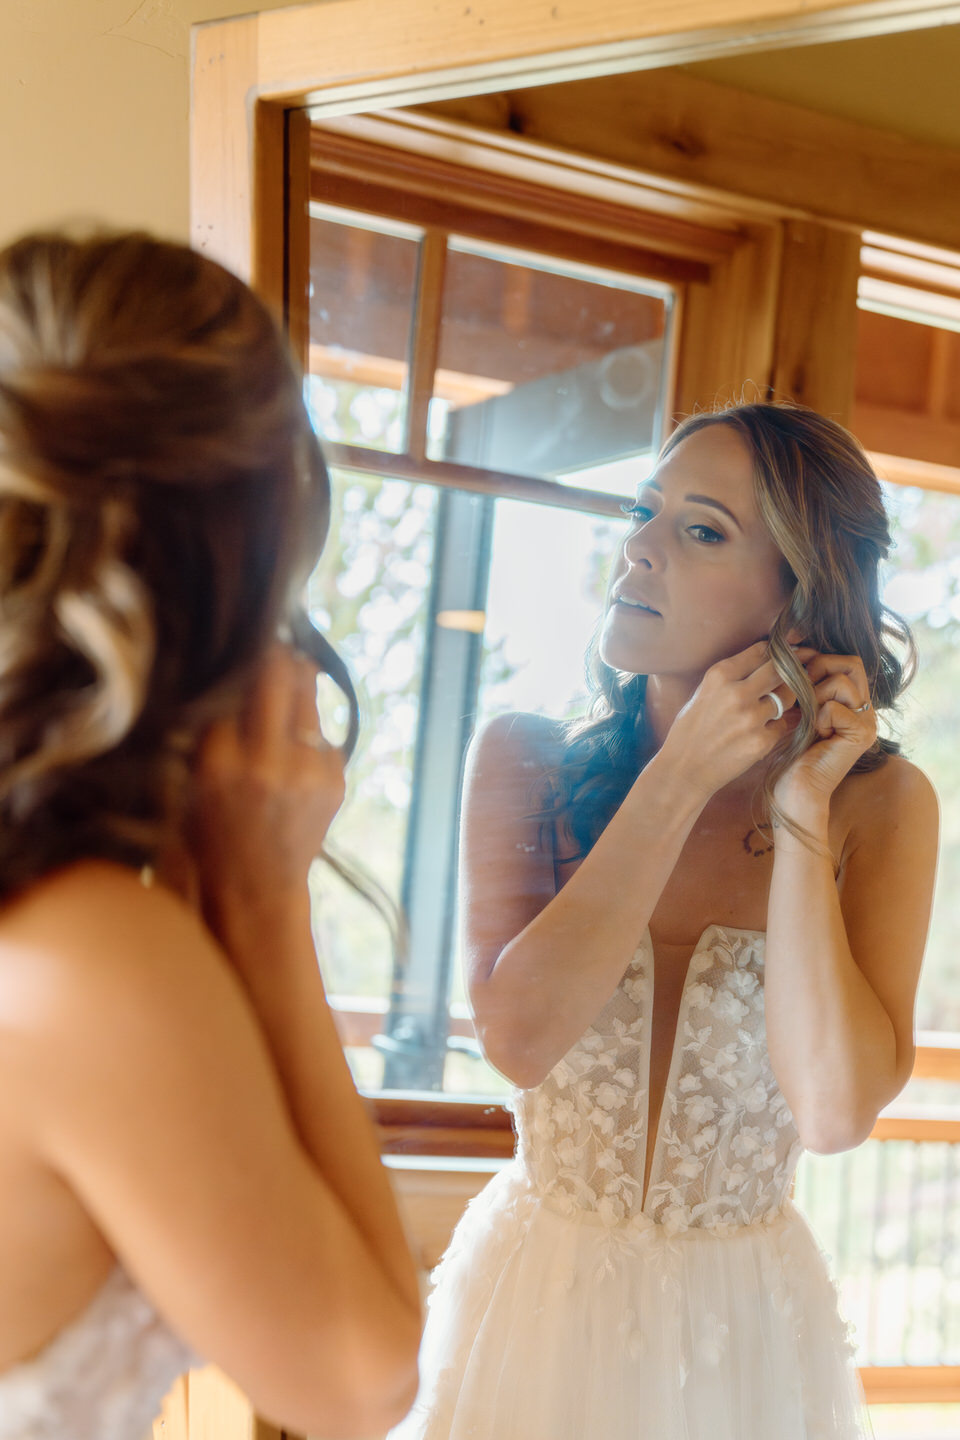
{"points": [[505, 291]]}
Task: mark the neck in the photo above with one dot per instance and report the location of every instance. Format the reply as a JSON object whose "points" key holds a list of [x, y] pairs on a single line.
{"points": [[665, 697]]}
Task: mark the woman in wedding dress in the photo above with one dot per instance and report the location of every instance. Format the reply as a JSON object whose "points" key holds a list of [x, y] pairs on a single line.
{"points": [[693, 924], [185, 1166]]}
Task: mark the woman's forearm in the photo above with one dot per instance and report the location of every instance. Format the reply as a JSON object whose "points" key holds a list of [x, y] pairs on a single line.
{"points": [[327, 1111], [831, 1043], [552, 980]]}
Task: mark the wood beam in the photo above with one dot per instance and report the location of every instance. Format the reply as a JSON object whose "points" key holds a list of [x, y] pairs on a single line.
{"points": [[771, 157], [815, 349], [911, 1384], [903, 432], [727, 327]]}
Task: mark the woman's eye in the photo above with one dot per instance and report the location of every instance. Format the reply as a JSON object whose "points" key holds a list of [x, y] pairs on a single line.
{"points": [[706, 534], [637, 512]]}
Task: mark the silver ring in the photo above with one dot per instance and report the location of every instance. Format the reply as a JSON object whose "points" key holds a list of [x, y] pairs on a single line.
{"points": [[859, 709], [771, 695]]}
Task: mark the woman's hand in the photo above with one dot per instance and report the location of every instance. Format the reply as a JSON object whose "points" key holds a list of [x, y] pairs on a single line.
{"points": [[268, 786], [730, 722], [846, 728]]}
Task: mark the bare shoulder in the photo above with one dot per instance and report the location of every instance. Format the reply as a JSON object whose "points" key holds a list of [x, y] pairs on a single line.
{"points": [[516, 743], [896, 797], [91, 943]]}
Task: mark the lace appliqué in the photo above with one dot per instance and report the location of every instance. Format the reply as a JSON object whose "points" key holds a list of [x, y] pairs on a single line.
{"points": [[102, 1378], [727, 1145], [581, 1131]]}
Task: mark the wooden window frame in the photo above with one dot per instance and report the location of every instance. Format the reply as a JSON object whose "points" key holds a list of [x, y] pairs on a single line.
{"points": [[366, 164]]}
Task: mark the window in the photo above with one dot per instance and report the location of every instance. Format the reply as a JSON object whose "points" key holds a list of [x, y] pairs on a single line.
{"points": [[486, 406]]}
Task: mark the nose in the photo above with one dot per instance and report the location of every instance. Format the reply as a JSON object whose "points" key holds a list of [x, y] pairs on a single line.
{"points": [[642, 548]]}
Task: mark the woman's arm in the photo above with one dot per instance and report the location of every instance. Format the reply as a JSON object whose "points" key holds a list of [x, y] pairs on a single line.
{"points": [[540, 966], [842, 970], [268, 787], [139, 1072]]}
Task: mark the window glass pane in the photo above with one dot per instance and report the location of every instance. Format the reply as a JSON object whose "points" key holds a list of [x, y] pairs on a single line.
{"points": [[548, 370], [363, 275], [369, 595], [548, 576], [923, 585], [386, 594]]}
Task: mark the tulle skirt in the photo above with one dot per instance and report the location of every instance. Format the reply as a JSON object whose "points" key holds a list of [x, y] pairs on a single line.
{"points": [[547, 1327]]}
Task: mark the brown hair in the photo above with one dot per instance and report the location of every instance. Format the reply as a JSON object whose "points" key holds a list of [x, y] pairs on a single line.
{"points": [[821, 502], [161, 496]]}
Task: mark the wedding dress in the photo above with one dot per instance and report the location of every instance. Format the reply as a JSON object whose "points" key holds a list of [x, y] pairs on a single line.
{"points": [[578, 1302], [103, 1377]]}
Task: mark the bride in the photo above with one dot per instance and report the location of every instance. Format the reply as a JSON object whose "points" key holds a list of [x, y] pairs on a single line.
{"points": [[185, 1166], [694, 922]]}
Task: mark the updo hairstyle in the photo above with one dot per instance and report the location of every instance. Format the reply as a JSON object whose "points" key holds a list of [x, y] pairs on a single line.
{"points": [[162, 497]]}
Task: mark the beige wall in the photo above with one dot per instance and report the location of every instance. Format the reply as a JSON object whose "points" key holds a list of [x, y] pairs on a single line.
{"points": [[94, 101], [94, 110]]}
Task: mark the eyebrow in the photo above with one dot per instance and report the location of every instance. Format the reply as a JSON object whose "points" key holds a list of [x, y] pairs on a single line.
{"points": [[696, 500]]}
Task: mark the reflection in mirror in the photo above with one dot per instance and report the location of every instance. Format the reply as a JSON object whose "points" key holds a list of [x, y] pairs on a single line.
{"points": [[512, 364], [660, 960]]}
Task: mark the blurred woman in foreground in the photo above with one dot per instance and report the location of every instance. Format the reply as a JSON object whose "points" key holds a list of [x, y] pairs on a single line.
{"points": [[185, 1166]]}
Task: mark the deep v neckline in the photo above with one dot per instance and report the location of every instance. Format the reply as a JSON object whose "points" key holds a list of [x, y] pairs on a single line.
{"points": [[650, 1165]]}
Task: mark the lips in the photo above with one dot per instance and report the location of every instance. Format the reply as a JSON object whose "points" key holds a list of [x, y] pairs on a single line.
{"points": [[632, 601]]}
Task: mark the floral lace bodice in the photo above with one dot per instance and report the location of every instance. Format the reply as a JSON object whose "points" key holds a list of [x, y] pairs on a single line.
{"points": [[103, 1377], [726, 1146]]}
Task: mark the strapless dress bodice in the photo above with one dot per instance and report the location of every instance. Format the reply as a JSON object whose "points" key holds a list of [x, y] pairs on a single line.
{"points": [[103, 1377], [726, 1145]]}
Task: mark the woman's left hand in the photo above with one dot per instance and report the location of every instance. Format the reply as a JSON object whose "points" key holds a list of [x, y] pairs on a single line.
{"points": [[846, 728]]}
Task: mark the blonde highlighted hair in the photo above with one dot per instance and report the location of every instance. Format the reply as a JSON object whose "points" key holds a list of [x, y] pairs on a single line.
{"points": [[162, 497]]}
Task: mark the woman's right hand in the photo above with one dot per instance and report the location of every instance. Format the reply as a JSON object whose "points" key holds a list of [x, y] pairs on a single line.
{"points": [[267, 787], [729, 724]]}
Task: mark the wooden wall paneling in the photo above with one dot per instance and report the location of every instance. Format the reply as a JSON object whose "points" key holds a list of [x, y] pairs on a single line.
{"points": [[815, 343], [915, 435], [206, 1405], [431, 1202], [911, 1384], [296, 210], [767, 155], [727, 327], [173, 1422], [219, 1411]]}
